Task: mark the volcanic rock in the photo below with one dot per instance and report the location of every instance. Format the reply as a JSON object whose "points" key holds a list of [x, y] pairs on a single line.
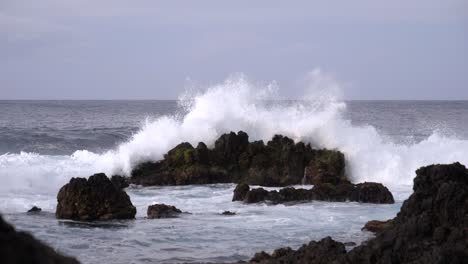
{"points": [[234, 159], [34, 210], [119, 182], [21, 247], [378, 226], [365, 193], [96, 198], [156, 211], [431, 227], [228, 213]]}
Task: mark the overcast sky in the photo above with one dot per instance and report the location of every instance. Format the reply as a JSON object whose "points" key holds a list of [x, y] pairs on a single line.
{"points": [[115, 49]]}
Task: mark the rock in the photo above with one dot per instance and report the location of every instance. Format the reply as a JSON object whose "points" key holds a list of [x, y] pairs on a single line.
{"points": [[256, 195], [371, 192], [324, 251], [92, 199], [378, 226], [365, 193], [234, 159], [156, 211], [332, 193], [21, 247], [34, 210], [119, 182], [327, 166], [228, 213], [240, 192], [431, 227]]}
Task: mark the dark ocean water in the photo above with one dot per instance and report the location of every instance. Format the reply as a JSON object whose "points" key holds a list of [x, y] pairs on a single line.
{"points": [[62, 127], [45, 143]]}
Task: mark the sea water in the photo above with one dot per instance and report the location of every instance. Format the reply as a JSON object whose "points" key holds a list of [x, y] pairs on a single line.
{"points": [[45, 143]]}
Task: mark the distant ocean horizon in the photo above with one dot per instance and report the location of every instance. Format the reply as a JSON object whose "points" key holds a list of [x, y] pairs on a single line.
{"points": [[43, 143]]}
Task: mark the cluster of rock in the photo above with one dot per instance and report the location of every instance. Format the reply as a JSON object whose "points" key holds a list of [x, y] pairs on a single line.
{"points": [[21, 247], [95, 198], [234, 159], [368, 192], [431, 227]]}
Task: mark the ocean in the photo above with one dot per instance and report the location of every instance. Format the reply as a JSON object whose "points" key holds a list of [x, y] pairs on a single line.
{"points": [[45, 143]]}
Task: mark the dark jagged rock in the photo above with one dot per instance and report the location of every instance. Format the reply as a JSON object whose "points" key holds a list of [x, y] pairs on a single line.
{"points": [[34, 210], [234, 159], [378, 226], [228, 213], [91, 199], [371, 192], [21, 247], [240, 192], [323, 252], [157, 211], [431, 227], [120, 182], [365, 193]]}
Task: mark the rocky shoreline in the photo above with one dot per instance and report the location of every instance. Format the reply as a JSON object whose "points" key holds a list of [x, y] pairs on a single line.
{"points": [[432, 226]]}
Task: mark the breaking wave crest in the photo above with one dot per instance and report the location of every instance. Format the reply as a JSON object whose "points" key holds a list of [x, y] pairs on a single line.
{"points": [[239, 104]]}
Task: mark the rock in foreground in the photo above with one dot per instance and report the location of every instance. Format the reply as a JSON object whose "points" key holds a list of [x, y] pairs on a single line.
{"points": [[279, 162], [96, 198], [21, 247], [431, 227], [156, 211], [367, 192]]}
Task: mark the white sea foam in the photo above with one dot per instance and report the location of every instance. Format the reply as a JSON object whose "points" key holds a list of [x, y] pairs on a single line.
{"points": [[238, 104]]}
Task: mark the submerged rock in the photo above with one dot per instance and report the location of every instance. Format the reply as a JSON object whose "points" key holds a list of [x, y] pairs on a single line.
{"points": [[378, 226], [228, 213], [364, 193], [21, 247], [324, 251], [34, 210], [156, 211], [96, 198], [234, 159], [431, 227]]}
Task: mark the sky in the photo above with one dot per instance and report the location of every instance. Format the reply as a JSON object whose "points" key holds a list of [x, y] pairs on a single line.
{"points": [[148, 49]]}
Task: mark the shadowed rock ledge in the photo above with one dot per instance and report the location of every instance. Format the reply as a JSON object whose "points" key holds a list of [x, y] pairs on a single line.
{"points": [[368, 192], [21, 247], [431, 227]]}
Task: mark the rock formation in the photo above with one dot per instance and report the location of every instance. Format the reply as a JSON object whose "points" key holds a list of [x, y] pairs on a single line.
{"points": [[96, 198], [21, 247], [280, 162], [431, 227], [367, 192], [156, 211]]}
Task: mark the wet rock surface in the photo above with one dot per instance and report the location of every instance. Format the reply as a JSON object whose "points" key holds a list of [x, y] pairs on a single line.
{"points": [[34, 210], [378, 226], [280, 162], [366, 193], [21, 247], [157, 211], [119, 182], [96, 198], [431, 227]]}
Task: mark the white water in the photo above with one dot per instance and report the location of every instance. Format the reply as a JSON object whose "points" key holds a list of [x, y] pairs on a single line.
{"points": [[238, 104]]}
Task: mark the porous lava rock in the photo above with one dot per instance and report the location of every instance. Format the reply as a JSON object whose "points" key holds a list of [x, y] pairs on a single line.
{"points": [[234, 159], [157, 211], [431, 227], [365, 193], [95, 198], [21, 247]]}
